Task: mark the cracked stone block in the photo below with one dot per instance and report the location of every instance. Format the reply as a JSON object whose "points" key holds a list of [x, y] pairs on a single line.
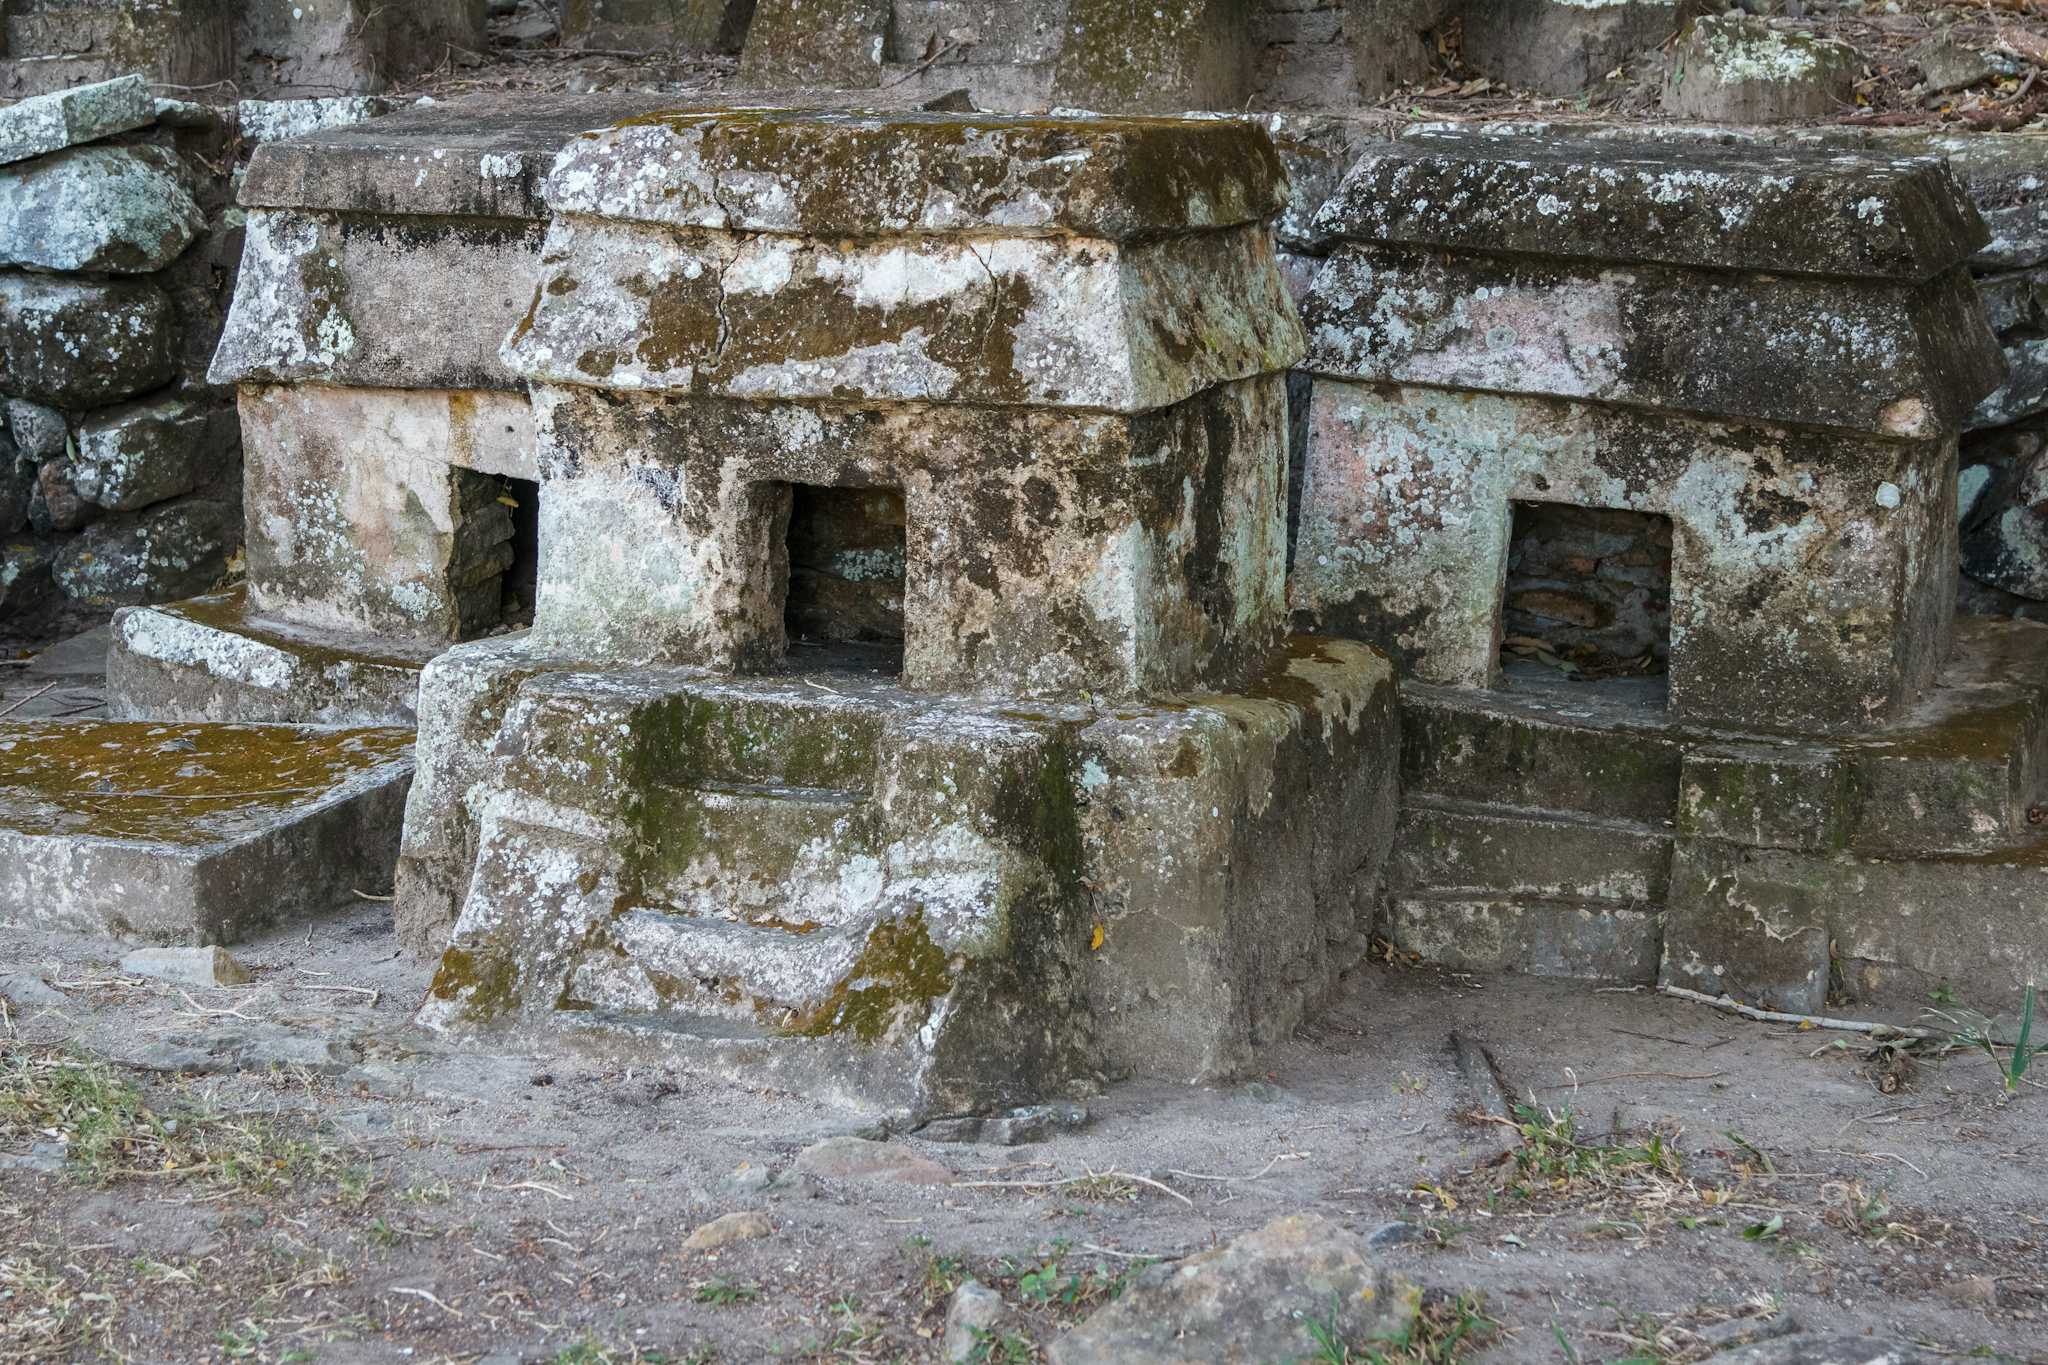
{"points": [[49, 123], [123, 210], [1455, 376], [785, 800], [1743, 69], [819, 44], [1565, 47], [1159, 58], [214, 658], [1541, 821], [261, 121], [73, 343], [192, 834]]}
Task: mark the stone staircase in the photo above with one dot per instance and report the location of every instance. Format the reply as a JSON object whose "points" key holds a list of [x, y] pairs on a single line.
{"points": [[1572, 829]]}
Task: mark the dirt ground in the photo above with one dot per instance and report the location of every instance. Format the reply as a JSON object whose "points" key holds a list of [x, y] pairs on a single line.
{"points": [[288, 1171]]}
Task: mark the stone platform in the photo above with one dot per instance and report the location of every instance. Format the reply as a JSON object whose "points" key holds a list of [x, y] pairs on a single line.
{"points": [[1578, 829], [217, 658], [927, 903], [193, 833]]}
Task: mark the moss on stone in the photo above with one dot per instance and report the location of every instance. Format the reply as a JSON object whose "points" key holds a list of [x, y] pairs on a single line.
{"points": [[894, 981], [179, 784]]}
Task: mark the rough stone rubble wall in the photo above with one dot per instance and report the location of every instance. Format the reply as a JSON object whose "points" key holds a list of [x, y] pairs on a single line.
{"points": [[120, 473]]}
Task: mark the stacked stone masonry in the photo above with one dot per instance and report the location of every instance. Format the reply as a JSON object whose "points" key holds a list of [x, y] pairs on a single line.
{"points": [[953, 591], [120, 476]]}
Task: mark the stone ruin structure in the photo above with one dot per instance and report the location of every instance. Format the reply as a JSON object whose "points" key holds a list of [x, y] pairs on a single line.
{"points": [[928, 607], [910, 625], [1504, 324]]}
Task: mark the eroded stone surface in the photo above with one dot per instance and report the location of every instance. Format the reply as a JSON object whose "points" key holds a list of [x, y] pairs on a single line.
{"points": [[213, 658], [1156, 540], [1908, 360], [825, 174], [815, 44], [1737, 68], [376, 302], [171, 550], [1410, 477], [1156, 58], [378, 510], [118, 209], [1245, 1299], [142, 453], [194, 833], [260, 121], [862, 868], [79, 343]]}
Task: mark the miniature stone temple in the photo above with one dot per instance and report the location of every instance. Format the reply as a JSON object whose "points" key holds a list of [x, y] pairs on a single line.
{"points": [[909, 711], [388, 452], [1774, 351]]}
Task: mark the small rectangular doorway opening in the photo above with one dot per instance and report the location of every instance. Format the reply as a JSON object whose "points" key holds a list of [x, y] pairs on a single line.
{"points": [[1588, 596], [522, 580], [847, 560]]}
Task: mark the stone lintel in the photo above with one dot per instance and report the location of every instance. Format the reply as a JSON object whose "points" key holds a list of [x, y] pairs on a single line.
{"points": [[1890, 357], [1706, 207], [859, 175], [192, 834]]}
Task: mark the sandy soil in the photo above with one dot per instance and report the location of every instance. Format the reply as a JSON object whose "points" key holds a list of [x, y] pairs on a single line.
{"points": [[414, 1202]]}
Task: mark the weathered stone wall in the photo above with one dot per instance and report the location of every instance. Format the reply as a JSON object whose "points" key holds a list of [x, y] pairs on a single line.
{"points": [[255, 47], [120, 473]]}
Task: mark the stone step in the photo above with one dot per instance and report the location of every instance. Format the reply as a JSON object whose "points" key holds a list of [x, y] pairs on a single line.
{"points": [[1470, 850], [1786, 928], [216, 658], [1584, 939], [750, 970], [782, 855], [193, 833], [1957, 773], [780, 740]]}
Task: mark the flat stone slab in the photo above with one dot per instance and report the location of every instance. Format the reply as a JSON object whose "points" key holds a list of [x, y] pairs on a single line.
{"points": [[50, 123], [819, 173], [480, 158], [1744, 208], [193, 834], [217, 659]]}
